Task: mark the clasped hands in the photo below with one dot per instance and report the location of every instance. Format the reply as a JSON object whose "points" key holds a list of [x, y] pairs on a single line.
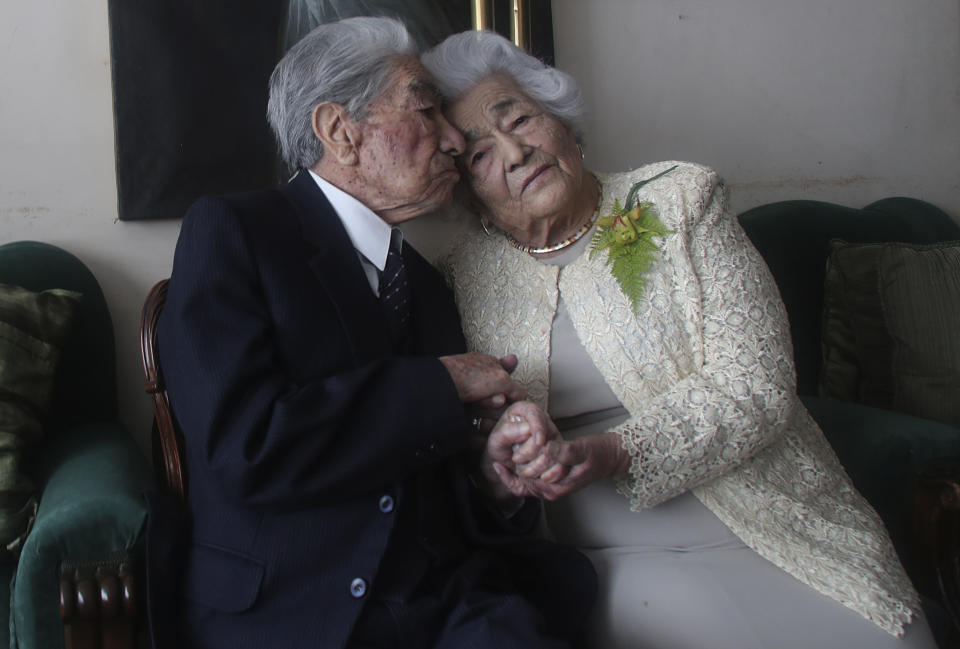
{"points": [[524, 454]]}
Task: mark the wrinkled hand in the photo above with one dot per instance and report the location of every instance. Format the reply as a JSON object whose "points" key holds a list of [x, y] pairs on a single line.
{"points": [[484, 380], [519, 438], [572, 465], [541, 463]]}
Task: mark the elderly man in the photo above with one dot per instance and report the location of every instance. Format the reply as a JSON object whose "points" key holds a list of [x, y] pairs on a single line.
{"points": [[316, 366]]}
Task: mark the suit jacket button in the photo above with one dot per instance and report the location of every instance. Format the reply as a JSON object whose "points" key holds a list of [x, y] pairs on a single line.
{"points": [[358, 588], [386, 504]]}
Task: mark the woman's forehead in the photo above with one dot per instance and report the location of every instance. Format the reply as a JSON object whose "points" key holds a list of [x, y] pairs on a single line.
{"points": [[486, 103]]}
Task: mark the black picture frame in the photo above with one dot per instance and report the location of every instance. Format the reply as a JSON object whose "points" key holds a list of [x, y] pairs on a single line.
{"points": [[190, 94]]}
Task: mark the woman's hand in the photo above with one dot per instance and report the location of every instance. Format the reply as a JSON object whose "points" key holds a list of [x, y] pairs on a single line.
{"points": [[574, 464], [520, 436], [526, 456]]}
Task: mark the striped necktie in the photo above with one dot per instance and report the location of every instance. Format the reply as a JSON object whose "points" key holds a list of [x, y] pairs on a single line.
{"points": [[395, 291]]}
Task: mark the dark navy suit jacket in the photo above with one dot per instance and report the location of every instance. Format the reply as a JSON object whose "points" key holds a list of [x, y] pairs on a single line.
{"points": [[304, 428]]}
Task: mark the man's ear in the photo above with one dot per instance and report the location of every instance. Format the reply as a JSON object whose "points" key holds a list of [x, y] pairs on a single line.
{"points": [[337, 132]]}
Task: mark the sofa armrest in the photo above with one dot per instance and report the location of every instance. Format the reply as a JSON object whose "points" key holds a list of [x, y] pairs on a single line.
{"points": [[91, 511], [908, 469], [935, 532], [883, 451]]}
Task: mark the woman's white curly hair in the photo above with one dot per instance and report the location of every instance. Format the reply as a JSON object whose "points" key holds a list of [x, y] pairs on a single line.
{"points": [[467, 58]]}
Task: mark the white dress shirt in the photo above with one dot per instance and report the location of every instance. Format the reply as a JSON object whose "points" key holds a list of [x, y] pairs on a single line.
{"points": [[370, 235]]}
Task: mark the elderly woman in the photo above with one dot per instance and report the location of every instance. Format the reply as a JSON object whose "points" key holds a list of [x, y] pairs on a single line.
{"points": [[647, 326]]}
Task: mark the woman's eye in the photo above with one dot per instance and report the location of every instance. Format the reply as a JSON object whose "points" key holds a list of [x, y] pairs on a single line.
{"points": [[520, 120], [476, 157]]}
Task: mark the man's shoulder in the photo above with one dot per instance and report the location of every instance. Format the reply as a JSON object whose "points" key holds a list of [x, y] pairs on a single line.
{"points": [[249, 203], [255, 212]]}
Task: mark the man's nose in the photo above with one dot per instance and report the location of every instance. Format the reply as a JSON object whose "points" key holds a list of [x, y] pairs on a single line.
{"points": [[451, 140]]}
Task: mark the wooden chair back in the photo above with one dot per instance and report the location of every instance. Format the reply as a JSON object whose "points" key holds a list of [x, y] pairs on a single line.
{"points": [[168, 446]]}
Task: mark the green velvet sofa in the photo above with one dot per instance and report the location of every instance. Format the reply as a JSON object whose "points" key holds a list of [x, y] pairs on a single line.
{"points": [[73, 581], [907, 466]]}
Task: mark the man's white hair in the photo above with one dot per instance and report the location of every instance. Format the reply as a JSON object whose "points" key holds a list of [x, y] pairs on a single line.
{"points": [[347, 62]]}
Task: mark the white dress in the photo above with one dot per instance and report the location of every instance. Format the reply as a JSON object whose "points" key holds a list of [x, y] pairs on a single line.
{"points": [[735, 508]]}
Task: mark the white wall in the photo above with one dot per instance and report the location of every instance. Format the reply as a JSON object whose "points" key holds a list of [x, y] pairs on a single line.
{"points": [[57, 178], [842, 100], [846, 100]]}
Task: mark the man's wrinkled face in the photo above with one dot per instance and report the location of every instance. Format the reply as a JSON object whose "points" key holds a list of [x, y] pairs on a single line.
{"points": [[408, 147]]}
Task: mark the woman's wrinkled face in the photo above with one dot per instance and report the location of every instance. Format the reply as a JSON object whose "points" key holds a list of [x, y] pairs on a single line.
{"points": [[521, 162]]}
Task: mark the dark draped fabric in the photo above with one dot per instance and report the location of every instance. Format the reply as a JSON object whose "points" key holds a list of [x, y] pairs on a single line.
{"points": [[190, 86]]}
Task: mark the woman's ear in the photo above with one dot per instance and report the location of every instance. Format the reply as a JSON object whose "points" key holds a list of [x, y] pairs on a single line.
{"points": [[337, 132], [464, 196], [478, 209], [486, 224]]}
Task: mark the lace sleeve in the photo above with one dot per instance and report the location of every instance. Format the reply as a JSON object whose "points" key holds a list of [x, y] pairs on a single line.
{"points": [[735, 404]]}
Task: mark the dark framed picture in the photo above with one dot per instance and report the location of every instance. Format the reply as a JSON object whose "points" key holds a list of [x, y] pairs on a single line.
{"points": [[190, 85]]}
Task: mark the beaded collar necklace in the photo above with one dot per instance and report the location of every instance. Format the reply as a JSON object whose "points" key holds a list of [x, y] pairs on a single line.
{"points": [[569, 241]]}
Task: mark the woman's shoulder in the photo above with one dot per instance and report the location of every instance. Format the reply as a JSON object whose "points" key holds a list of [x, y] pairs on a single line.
{"points": [[664, 175], [680, 191], [469, 252]]}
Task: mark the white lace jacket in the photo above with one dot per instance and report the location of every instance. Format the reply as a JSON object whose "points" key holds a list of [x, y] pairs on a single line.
{"points": [[705, 369]]}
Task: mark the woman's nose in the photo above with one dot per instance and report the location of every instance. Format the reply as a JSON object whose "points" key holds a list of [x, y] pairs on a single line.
{"points": [[514, 152]]}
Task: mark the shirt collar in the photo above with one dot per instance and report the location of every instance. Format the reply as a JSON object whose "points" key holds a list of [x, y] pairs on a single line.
{"points": [[369, 234]]}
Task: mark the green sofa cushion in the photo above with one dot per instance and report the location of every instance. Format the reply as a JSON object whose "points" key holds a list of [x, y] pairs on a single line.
{"points": [[883, 451], [856, 345], [920, 293], [92, 509], [6, 576], [33, 327], [891, 330], [86, 388], [794, 236]]}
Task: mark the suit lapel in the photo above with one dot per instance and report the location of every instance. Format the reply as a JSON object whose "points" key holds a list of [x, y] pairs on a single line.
{"points": [[334, 262], [436, 323]]}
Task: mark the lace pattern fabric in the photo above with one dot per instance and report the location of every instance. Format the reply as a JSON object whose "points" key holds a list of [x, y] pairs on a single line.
{"points": [[705, 368]]}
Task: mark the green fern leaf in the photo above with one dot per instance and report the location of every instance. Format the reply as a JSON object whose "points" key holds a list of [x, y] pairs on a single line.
{"points": [[630, 262]]}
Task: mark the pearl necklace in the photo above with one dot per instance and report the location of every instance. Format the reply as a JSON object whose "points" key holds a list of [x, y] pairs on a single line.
{"points": [[569, 241]]}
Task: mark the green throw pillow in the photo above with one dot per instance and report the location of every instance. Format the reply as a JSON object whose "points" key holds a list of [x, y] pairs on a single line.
{"points": [[33, 327], [891, 329], [856, 346]]}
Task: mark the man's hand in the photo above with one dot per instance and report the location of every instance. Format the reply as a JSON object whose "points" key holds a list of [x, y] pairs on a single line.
{"points": [[484, 380], [571, 465], [520, 435], [526, 452]]}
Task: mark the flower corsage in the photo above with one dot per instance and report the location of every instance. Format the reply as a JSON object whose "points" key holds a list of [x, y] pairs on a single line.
{"points": [[627, 236]]}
